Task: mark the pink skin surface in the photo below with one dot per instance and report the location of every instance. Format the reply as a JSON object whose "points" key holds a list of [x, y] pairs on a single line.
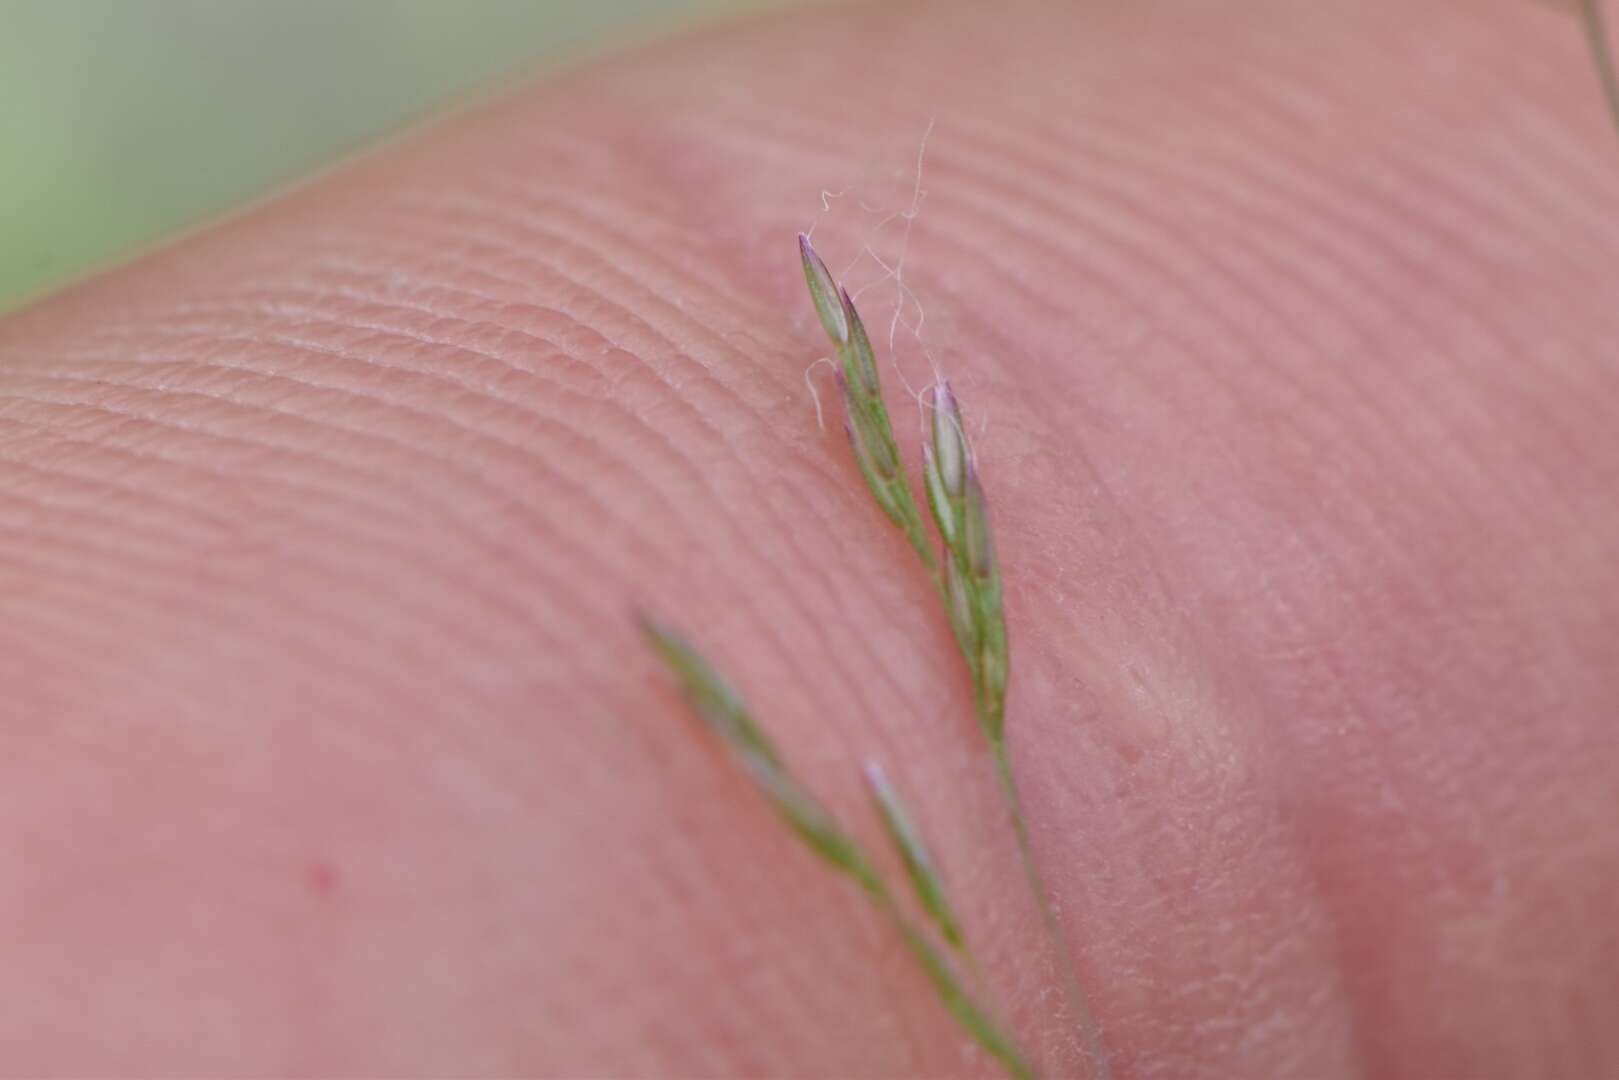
{"points": [[1287, 332]]}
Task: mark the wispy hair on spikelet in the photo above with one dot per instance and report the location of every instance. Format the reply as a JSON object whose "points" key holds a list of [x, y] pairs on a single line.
{"points": [[865, 415]]}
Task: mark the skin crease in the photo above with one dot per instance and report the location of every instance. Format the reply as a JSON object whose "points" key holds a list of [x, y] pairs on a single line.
{"points": [[1286, 331]]}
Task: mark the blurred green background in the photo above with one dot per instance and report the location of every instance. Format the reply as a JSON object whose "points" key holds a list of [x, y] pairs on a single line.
{"points": [[122, 121]]}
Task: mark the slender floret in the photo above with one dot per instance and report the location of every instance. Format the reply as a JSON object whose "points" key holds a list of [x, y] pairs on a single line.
{"points": [[959, 602], [871, 443], [938, 498], [977, 543], [913, 853], [860, 359], [972, 574], [824, 291], [944, 464], [978, 555], [714, 699], [949, 440], [866, 417]]}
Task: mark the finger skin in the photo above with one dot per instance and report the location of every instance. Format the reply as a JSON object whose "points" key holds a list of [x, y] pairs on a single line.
{"points": [[330, 747]]}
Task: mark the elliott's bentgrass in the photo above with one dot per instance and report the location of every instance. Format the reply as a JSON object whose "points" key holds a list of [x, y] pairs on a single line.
{"points": [[969, 581], [726, 715]]}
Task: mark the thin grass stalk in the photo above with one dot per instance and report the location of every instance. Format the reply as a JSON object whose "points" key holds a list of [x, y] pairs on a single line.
{"points": [[1596, 34], [722, 709], [961, 1005]]}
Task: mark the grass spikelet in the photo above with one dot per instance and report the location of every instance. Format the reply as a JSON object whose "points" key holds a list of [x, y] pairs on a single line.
{"points": [[814, 825], [862, 359], [824, 291], [938, 497], [918, 864], [715, 700], [989, 622], [972, 572], [866, 417], [950, 450], [725, 714], [720, 706], [960, 609]]}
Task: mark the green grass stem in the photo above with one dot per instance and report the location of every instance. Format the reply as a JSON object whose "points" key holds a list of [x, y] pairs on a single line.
{"points": [[1596, 34], [723, 711]]}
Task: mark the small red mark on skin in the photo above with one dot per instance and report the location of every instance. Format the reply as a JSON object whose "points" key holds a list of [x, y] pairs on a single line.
{"points": [[323, 879]]}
